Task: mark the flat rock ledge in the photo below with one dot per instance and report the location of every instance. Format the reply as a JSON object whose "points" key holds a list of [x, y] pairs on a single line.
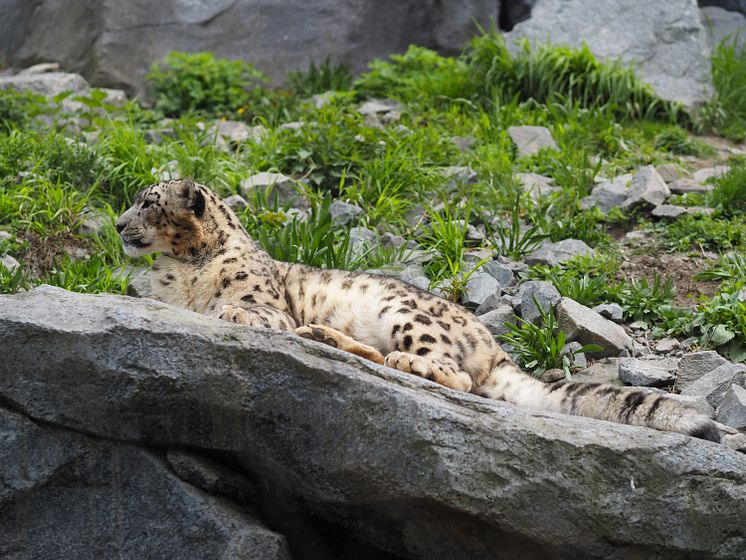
{"points": [[395, 463]]}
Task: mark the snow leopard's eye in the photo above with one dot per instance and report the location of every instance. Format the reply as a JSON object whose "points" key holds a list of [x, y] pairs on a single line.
{"points": [[146, 204]]}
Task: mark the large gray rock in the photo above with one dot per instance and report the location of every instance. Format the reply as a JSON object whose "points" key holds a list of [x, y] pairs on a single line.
{"points": [[722, 23], [114, 43], [402, 464], [65, 494], [666, 41], [588, 327]]}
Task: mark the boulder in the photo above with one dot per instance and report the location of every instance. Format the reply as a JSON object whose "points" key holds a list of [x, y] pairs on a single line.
{"points": [[115, 43], [588, 327], [397, 462], [641, 373], [721, 23], [530, 139], [236, 202], [66, 494], [553, 254], [500, 272], [546, 296], [647, 190], [667, 43]]}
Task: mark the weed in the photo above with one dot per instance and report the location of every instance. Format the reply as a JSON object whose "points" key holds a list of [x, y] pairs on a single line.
{"points": [[199, 82], [322, 78], [729, 194], [513, 239], [726, 111], [644, 301], [542, 346]]}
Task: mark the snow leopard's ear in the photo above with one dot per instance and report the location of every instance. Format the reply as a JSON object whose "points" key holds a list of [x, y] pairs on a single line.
{"points": [[193, 195]]}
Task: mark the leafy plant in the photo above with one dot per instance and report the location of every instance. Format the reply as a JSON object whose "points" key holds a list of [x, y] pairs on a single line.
{"points": [[729, 194], [586, 289], [322, 78], [644, 301], [12, 282], [514, 240], [726, 111], [542, 346], [186, 82]]}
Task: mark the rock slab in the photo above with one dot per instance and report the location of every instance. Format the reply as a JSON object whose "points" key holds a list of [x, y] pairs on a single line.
{"points": [[584, 325], [406, 466]]}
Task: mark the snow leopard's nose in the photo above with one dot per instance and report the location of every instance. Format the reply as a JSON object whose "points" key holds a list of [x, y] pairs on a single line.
{"points": [[120, 226]]}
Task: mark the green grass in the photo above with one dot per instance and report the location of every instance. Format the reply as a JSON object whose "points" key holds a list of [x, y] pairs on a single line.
{"points": [[454, 111]]}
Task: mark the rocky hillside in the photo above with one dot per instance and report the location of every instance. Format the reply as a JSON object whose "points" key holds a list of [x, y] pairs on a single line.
{"points": [[594, 223]]}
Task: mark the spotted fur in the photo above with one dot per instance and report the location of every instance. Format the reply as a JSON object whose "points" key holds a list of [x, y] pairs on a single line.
{"points": [[208, 263]]}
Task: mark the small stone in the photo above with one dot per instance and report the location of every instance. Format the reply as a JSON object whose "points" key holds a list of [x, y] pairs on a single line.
{"points": [[458, 175], [604, 371], [546, 296], [584, 325], [732, 411], [536, 185], [463, 143], [379, 106], [472, 233], [736, 442], [41, 68], [552, 375], [321, 99], [694, 365], [608, 195], [647, 190], [295, 215], [292, 125], [473, 257], [530, 139], [496, 319], [236, 202], [714, 384], [490, 304], [93, 223], [9, 263], [668, 211], [665, 345], [513, 300], [500, 272], [687, 185], [48, 83], [579, 360], [279, 189], [421, 282], [612, 311], [361, 240], [702, 175], [344, 213], [5, 236], [554, 254], [139, 285], [642, 374], [669, 172], [479, 287], [232, 131]]}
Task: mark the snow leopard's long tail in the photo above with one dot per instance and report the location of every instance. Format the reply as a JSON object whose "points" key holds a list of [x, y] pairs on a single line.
{"points": [[626, 405]]}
